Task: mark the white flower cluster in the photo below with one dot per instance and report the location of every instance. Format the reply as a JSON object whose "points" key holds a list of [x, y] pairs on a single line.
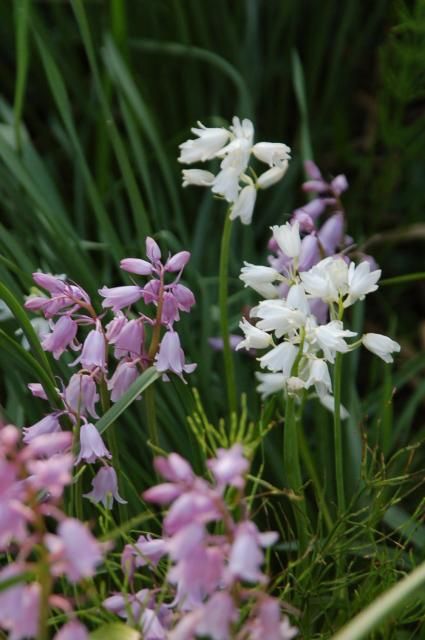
{"points": [[234, 147], [299, 348]]}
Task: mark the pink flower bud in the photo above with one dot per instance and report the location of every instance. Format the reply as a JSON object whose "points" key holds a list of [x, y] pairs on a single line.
{"points": [[152, 250], [136, 265], [178, 261], [52, 284], [37, 390]]}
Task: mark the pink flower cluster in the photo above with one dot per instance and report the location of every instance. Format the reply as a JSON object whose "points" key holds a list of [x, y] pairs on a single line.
{"points": [[137, 340], [215, 559], [32, 481]]}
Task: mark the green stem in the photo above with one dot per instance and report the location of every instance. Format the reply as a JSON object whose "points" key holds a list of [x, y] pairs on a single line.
{"points": [[291, 462], [224, 316], [151, 415], [312, 472], [339, 467]]}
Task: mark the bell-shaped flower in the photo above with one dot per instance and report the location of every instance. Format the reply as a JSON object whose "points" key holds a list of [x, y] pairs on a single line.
{"points": [[270, 383], [275, 154], [272, 176], [252, 275], [124, 376], [331, 233], [318, 375], [267, 622], [49, 444], [216, 617], [254, 338], [72, 630], [330, 338], [51, 475], [243, 208], [328, 279], [170, 356], [381, 346], [197, 178], [74, 552], [92, 446], [229, 467], [209, 141], [93, 354], [184, 296], [246, 556], [48, 424], [174, 468], [280, 359], [309, 253], [130, 340], [105, 488], [226, 183], [119, 297], [114, 328], [328, 402], [19, 606], [288, 239], [61, 337], [361, 281], [278, 316], [81, 394]]}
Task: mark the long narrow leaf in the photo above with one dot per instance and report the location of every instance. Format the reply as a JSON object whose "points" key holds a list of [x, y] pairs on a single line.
{"points": [[147, 378]]}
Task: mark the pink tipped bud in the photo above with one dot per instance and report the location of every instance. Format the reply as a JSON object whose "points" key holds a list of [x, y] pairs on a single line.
{"points": [[152, 250], [52, 284], [178, 261], [135, 265]]}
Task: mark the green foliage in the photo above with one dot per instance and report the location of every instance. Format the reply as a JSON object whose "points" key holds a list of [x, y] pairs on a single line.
{"points": [[90, 120]]}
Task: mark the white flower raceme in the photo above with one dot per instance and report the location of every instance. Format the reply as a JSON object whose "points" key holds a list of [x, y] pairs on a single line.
{"points": [[298, 354], [380, 345], [234, 146]]}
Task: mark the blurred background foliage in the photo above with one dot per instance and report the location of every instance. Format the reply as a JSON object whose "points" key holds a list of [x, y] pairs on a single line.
{"points": [[95, 98]]}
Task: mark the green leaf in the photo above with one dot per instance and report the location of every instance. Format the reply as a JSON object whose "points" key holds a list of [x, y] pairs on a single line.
{"points": [[30, 364], [384, 607], [147, 378], [115, 631], [26, 326]]}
